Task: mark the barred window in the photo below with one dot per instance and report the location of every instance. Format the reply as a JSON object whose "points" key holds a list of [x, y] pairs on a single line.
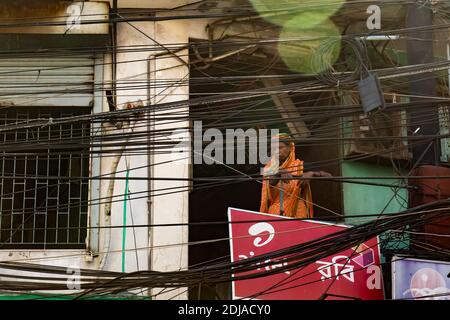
{"points": [[43, 186]]}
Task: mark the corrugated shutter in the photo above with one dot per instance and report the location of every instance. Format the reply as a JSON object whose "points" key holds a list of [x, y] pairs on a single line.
{"points": [[61, 81]]}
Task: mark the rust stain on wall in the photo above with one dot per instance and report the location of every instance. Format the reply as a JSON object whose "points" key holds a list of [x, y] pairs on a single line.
{"points": [[20, 9], [21, 16]]}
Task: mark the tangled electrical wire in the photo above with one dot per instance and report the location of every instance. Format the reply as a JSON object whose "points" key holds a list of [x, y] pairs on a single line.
{"points": [[95, 282], [221, 105], [354, 67]]}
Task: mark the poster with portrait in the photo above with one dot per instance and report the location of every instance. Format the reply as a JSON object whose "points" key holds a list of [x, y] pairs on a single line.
{"points": [[417, 279]]}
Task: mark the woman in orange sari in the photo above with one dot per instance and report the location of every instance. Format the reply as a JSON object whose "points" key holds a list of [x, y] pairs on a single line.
{"points": [[288, 197]]}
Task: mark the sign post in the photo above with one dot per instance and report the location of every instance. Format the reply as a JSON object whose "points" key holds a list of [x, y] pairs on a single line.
{"points": [[353, 274]]}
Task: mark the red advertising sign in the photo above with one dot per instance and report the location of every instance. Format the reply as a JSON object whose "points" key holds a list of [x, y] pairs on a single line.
{"points": [[353, 274]]}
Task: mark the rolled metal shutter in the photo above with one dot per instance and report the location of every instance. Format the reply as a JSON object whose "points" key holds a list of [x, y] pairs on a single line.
{"points": [[60, 81]]}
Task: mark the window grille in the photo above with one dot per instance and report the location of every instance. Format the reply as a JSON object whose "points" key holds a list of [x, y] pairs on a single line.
{"points": [[40, 207]]}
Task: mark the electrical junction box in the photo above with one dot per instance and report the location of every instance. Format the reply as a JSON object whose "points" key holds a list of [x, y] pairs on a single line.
{"points": [[370, 93]]}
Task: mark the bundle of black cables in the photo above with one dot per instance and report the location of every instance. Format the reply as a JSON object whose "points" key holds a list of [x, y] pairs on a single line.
{"points": [[354, 61], [96, 282]]}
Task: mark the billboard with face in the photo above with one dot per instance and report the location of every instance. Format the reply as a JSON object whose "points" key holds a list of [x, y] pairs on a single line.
{"points": [[418, 279]]}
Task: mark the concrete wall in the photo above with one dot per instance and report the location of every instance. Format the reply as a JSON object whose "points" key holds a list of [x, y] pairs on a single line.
{"points": [[164, 248]]}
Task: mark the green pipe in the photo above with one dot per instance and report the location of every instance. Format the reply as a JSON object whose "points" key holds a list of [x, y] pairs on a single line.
{"points": [[124, 230]]}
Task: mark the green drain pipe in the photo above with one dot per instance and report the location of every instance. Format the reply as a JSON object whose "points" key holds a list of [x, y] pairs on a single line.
{"points": [[124, 229]]}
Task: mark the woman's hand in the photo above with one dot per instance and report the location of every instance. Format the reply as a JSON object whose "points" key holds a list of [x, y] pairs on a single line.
{"points": [[322, 174], [281, 174], [311, 174], [308, 174], [285, 173]]}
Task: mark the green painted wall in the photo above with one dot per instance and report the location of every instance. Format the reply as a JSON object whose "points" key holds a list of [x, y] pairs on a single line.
{"points": [[366, 199], [362, 199]]}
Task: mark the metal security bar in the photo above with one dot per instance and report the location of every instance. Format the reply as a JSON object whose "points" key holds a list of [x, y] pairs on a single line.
{"points": [[37, 212]]}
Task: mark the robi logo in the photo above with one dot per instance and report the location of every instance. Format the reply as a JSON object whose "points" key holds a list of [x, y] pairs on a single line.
{"points": [[260, 228]]}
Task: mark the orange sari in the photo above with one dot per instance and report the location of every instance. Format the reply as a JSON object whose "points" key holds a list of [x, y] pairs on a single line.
{"points": [[297, 198]]}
